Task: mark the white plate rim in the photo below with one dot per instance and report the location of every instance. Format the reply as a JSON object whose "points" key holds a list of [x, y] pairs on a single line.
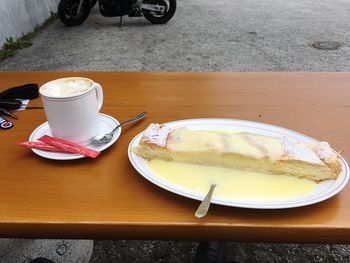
{"points": [[74, 156], [334, 189]]}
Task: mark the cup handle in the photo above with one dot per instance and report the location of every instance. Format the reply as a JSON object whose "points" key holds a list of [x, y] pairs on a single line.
{"points": [[99, 93]]}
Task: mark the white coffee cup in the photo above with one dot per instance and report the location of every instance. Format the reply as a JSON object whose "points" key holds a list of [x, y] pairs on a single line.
{"points": [[71, 106]]}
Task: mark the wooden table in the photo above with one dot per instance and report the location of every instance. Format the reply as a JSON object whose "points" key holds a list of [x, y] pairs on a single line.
{"points": [[107, 199]]}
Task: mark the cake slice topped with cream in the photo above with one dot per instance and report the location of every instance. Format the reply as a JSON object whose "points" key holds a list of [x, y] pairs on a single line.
{"points": [[243, 151]]}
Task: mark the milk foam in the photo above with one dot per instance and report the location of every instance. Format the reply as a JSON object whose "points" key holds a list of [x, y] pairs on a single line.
{"points": [[65, 88]]}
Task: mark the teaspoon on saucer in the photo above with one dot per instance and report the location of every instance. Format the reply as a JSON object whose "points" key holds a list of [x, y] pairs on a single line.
{"points": [[105, 138]]}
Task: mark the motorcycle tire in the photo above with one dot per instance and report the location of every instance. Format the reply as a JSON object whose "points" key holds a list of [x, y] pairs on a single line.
{"points": [[67, 12], [161, 19]]}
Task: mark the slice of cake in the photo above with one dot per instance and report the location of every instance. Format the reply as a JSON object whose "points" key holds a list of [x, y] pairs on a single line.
{"points": [[242, 151]]}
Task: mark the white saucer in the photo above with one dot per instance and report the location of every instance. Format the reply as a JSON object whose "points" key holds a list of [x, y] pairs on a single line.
{"points": [[107, 124]]}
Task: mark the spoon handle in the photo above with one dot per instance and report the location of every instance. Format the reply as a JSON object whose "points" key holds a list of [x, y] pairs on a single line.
{"points": [[203, 208], [136, 118]]}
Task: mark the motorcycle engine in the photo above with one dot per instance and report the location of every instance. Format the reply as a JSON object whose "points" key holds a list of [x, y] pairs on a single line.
{"points": [[111, 8]]}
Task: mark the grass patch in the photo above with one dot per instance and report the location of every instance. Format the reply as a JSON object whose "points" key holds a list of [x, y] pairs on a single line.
{"points": [[11, 45]]}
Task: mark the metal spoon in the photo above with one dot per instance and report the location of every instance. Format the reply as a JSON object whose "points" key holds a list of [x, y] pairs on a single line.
{"points": [[104, 138], [203, 208]]}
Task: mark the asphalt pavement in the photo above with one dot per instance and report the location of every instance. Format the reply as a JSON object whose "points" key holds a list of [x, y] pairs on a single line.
{"points": [[204, 35]]}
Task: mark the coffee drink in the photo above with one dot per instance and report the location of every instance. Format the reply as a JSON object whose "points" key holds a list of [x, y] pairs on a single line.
{"points": [[72, 108], [67, 87]]}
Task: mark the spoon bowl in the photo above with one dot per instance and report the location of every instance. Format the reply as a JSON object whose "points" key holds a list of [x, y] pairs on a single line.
{"points": [[105, 138]]}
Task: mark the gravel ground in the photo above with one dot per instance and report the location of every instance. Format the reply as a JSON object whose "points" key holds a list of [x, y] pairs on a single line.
{"points": [[184, 252]]}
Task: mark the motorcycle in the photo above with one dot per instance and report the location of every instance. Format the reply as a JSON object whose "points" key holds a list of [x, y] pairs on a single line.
{"points": [[75, 12]]}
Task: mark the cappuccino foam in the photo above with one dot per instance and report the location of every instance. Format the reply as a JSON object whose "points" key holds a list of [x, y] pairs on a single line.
{"points": [[65, 87]]}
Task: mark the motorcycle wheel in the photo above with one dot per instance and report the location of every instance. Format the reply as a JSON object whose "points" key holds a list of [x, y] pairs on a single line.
{"points": [[67, 12], [155, 18]]}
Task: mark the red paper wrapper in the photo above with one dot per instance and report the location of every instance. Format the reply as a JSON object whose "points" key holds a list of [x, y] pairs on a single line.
{"points": [[41, 146], [69, 146]]}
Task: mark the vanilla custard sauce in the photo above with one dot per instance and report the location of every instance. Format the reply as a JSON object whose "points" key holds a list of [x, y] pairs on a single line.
{"points": [[254, 145], [231, 184]]}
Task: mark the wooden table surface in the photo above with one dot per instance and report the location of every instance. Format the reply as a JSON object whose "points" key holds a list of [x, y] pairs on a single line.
{"points": [[107, 199]]}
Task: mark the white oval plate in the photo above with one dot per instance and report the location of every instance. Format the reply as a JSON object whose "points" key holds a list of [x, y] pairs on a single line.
{"points": [[323, 190], [106, 125]]}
